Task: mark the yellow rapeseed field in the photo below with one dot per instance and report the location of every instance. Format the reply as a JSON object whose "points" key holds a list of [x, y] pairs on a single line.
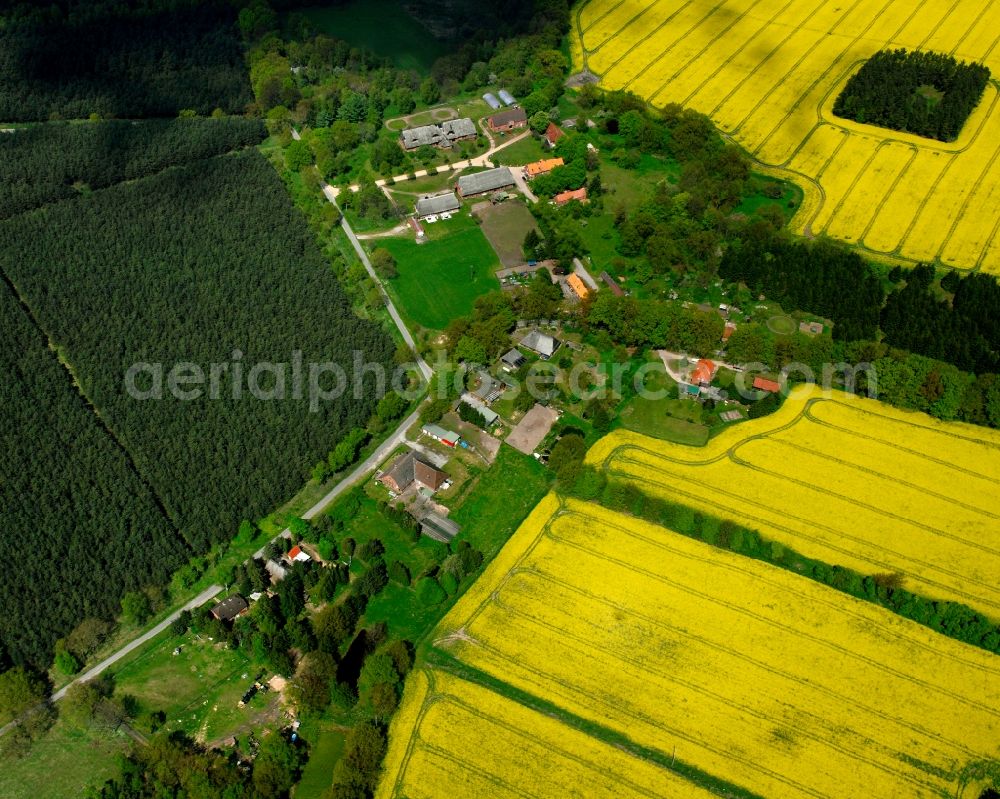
{"points": [[731, 669], [846, 481], [454, 738], [768, 72]]}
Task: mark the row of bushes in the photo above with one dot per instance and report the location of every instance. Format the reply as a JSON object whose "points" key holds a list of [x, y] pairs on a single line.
{"points": [[886, 590]]}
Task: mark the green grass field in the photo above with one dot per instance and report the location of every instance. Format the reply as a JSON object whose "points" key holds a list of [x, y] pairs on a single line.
{"points": [[505, 227], [382, 26], [440, 279], [671, 419], [198, 689], [520, 153], [501, 500], [326, 746], [62, 763]]}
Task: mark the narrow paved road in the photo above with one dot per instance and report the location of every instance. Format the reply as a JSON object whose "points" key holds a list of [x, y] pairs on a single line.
{"points": [[131, 646], [581, 270], [404, 331], [135, 643], [367, 465]]}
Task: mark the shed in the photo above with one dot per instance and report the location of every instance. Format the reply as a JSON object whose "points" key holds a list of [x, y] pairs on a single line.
{"points": [[446, 437], [489, 415], [611, 284], [507, 97], [482, 182], [764, 384], [437, 204], [439, 527], [541, 343], [229, 608], [492, 101], [512, 360]]}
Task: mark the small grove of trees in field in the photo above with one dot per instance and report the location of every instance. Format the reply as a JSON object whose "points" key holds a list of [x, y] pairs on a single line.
{"points": [[930, 94]]}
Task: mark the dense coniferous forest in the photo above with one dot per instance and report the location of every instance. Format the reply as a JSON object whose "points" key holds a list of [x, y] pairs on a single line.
{"points": [[119, 59], [963, 332], [45, 163], [191, 265], [80, 527], [820, 277], [929, 94]]}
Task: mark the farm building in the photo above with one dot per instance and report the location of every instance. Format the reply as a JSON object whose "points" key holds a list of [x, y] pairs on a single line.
{"points": [[458, 129], [443, 135], [228, 609], [492, 101], [506, 97], [489, 415], [579, 287], [553, 133], [413, 138], [703, 372], [446, 437], [508, 120], [482, 182], [489, 389], [408, 469], [580, 195], [437, 204], [612, 284], [727, 331], [512, 360], [542, 167], [297, 555], [763, 384], [439, 527], [538, 342]]}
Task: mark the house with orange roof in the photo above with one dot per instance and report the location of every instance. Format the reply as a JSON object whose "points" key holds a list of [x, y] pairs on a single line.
{"points": [[703, 372], [578, 286], [580, 195], [542, 167]]}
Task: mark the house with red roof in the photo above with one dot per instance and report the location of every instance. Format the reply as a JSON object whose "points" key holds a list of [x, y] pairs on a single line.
{"points": [[296, 553], [703, 372], [553, 133], [763, 384]]}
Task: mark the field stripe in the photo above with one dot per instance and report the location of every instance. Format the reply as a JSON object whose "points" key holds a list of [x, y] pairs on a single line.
{"points": [[738, 504]]}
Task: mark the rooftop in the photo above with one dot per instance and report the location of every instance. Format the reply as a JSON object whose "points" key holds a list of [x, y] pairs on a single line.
{"points": [[580, 195], [540, 342], [515, 115], [438, 203], [489, 180], [543, 166]]}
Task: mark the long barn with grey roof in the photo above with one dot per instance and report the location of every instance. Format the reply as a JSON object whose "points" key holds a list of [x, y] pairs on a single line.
{"points": [[437, 204], [482, 182]]}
